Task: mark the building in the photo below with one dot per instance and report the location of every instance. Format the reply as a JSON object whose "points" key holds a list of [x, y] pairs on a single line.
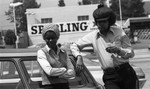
{"points": [[72, 19], [60, 14]]}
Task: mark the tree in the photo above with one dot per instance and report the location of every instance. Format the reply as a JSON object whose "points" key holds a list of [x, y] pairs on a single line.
{"points": [[80, 3], [21, 21], [61, 3], [85, 2], [95, 1], [129, 8], [10, 37]]}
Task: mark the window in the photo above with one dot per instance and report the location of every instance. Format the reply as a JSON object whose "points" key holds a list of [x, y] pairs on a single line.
{"points": [[82, 18], [46, 20], [9, 78], [34, 71]]}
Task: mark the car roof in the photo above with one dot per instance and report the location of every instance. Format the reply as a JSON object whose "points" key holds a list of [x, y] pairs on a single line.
{"points": [[18, 52]]}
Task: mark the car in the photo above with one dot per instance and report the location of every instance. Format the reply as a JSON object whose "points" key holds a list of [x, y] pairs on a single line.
{"points": [[26, 72], [19, 70]]}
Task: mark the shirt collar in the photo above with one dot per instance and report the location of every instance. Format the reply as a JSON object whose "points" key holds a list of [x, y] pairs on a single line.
{"points": [[98, 35], [58, 49], [48, 49], [110, 31]]}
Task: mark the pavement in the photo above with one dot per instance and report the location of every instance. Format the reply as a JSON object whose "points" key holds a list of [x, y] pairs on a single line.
{"points": [[142, 53], [141, 44], [141, 49]]}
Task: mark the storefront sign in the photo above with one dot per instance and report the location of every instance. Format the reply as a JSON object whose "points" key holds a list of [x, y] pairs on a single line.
{"points": [[70, 31], [66, 27]]}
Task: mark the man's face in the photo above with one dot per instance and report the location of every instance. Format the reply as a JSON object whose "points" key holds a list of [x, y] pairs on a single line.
{"points": [[51, 39], [102, 25]]}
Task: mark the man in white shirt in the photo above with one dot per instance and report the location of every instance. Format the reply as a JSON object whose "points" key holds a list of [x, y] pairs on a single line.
{"points": [[113, 49]]}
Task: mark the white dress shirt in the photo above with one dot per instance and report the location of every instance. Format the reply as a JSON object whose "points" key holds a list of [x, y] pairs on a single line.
{"points": [[116, 37]]}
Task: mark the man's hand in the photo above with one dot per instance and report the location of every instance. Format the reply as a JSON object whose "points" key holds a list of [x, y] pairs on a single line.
{"points": [[79, 63], [113, 49]]}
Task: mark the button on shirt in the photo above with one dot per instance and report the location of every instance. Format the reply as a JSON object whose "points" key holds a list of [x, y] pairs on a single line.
{"points": [[115, 37]]}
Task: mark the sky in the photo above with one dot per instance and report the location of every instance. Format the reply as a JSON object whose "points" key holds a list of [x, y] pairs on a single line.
{"points": [[4, 4]]}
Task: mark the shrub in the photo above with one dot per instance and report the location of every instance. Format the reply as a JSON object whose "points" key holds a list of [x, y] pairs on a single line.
{"points": [[10, 37]]}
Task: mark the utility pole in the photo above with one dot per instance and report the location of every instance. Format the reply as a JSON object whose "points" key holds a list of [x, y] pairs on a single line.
{"points": [[15, 5], [120, 10]]}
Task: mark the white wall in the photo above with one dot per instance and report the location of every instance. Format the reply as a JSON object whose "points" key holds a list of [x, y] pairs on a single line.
{"points": [[60, 14]]}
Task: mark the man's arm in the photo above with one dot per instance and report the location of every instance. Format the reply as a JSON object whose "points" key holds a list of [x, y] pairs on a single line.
{"points": [[85, 41], [76, 47], [126, 49]]}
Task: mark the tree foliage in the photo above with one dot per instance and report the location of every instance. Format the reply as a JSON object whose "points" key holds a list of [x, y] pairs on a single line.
{"points": [[21, 21], [10, 37], [95, 1], [129, 8], [61, 3], [86, 2]]}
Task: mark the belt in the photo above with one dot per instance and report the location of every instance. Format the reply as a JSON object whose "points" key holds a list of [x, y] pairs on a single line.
{"points": [[116, 68]]}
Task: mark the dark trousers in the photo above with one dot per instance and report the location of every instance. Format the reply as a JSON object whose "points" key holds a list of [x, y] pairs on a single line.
{"points": [[57, 86], [122, 77]]}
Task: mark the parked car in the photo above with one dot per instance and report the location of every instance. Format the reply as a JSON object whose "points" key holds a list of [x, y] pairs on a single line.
{"points": [[27, 72], [19, 70]]}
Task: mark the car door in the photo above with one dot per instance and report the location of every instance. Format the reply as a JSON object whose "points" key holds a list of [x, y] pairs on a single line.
{"points": [[9, 74], [83, 80]]}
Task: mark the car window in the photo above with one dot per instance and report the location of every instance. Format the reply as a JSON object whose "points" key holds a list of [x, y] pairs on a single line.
{"points": [[9, 78], [34, 71]]}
